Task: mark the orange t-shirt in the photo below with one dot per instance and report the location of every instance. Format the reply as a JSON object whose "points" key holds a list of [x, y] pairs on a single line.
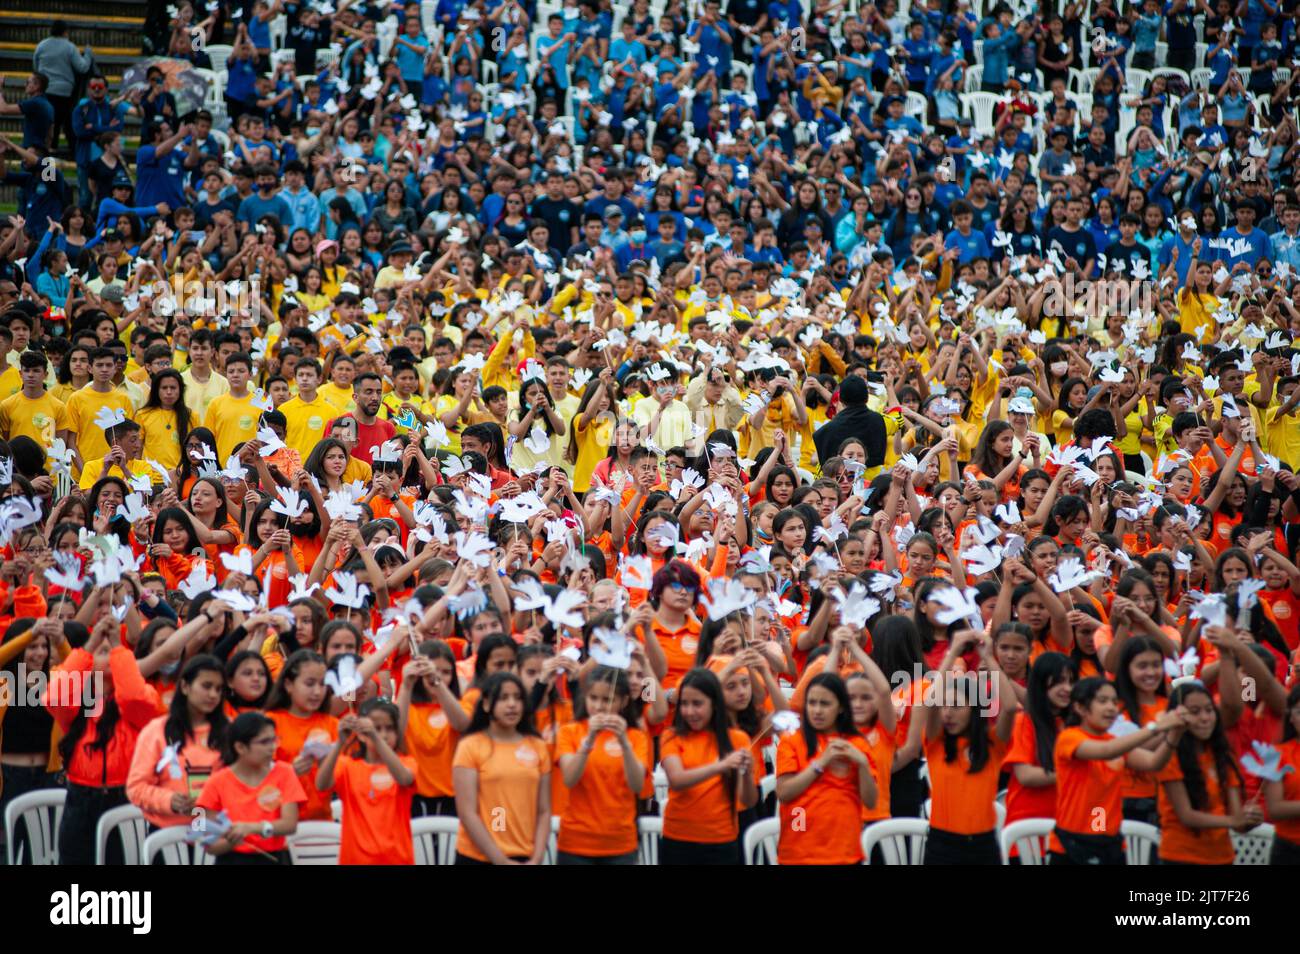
{"points": [[294, 734], [548, 720], [822, 825], [1221, 538], [701, 813], [1289, 829], [1088, 799], [509, 774], [961, 800], [880, 746], [216, 549], [600, 818], [1143, 784], [224, 792], [278, 567], [432, 741], [1285, 606], [1203, 846], [376, 813], [679, 647], [1022, 800]]}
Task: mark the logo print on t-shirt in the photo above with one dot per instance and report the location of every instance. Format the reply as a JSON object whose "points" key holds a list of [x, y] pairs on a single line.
{"points": [[689, 644], [269, 798], [613, 748], [1281, 610], [381, 780], [438, 720], [525, 755], [315, 422]]}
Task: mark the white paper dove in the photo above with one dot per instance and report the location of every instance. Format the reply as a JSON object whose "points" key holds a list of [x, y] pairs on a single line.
{"points": [[347, 591]]}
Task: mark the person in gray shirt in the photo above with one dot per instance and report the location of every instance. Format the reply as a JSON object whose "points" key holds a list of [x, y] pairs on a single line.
{"points": [[58, 59]]}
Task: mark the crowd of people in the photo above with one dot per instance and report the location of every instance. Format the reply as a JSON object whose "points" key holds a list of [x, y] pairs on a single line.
{"points": [[483, 415]]}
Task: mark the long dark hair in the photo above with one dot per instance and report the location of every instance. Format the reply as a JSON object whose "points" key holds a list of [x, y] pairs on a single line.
{"points": [[705, 682], [435, 649], [279, 698], [1049, 669], [896, 646], [232, 667], [1124, 687], [831, 682], [492, 689], [315, 462], [617, 680], [105, 728], [187, 467], [977, 730], [177, 728], [1188, 752], [181, 409]]}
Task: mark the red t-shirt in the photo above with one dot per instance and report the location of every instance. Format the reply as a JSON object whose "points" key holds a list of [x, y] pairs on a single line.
{"points": [[368, 435]]}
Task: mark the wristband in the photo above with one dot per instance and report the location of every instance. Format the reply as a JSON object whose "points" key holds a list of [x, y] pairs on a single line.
{"points": [[268, 829]]}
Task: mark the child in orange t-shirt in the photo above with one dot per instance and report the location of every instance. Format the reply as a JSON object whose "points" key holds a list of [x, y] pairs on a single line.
{"points": [[432, 721], [605, 763], [502, 773], [299, 705], [375, 789], [1200, 790], [1283, 798], [710, 774], [874, 716], [824, 780], [1090, 764], [260, 795], [964, 746]]}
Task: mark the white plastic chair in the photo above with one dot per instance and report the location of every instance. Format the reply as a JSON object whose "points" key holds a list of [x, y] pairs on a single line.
{"points": [[979, 51], [1141, 842], [766, 786], [434, 839], [651, 829], [281, 56], [916, 106], [170, 844], [129, 824], [760, 841], [1281, 76], [316, 843], [336, 810], [552, 844], [41, 813], [901, 840], [218, 53], [661, 788], [1029, 838], [279, 29], [974, 78], [1201, 50], [1254, 847], [999, 810], [979, 106], [1171, 73], [1137, 80], [1201, 78]]}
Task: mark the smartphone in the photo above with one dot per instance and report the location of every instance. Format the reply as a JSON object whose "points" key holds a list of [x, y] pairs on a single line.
{"points": [[876, 376]]}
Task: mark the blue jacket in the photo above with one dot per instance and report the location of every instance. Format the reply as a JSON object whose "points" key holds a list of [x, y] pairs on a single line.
{"points": [[90, 120], [997, 53]]}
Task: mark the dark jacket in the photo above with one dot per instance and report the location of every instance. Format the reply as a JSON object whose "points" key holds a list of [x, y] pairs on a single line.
{"points": [[860, 422]]}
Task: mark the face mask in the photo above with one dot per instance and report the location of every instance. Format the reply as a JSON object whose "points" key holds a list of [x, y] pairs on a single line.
{"points": [[312, 130], [638, 236], [1060, 367]]}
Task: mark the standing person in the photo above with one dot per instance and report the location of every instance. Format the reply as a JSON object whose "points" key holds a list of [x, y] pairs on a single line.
{"points": [[375, 788], [30, 649], [502, 779], [177, 753], [259, 794], [233, 417], [58, 59], [84, 406], [432, 721], [37, 111], [855, 419], [368, 392], [1283, 797], [202, 381], [306, 415], [1090, 764], [299, 706], [34, 412], [1031, 790], [965, 739], [95, 116], [710, 776], [606, 764], [97, 748], [824, 780], [1201, 789], [166, 419]]}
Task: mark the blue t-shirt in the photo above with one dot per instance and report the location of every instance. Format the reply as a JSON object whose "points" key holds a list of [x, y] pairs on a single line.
{"points": [[971, 246], [160, 178], [38, 117]]}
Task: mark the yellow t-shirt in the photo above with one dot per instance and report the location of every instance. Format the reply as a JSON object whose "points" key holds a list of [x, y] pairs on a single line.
{"points": [[231, 420], [38, 418], [340, 397], [305, 422], [1063, 431], [83, 406], [593, 446], [162, 439], [1283, 436], [11, 382], [198, 395], [95, 471], [1196, 314]]}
